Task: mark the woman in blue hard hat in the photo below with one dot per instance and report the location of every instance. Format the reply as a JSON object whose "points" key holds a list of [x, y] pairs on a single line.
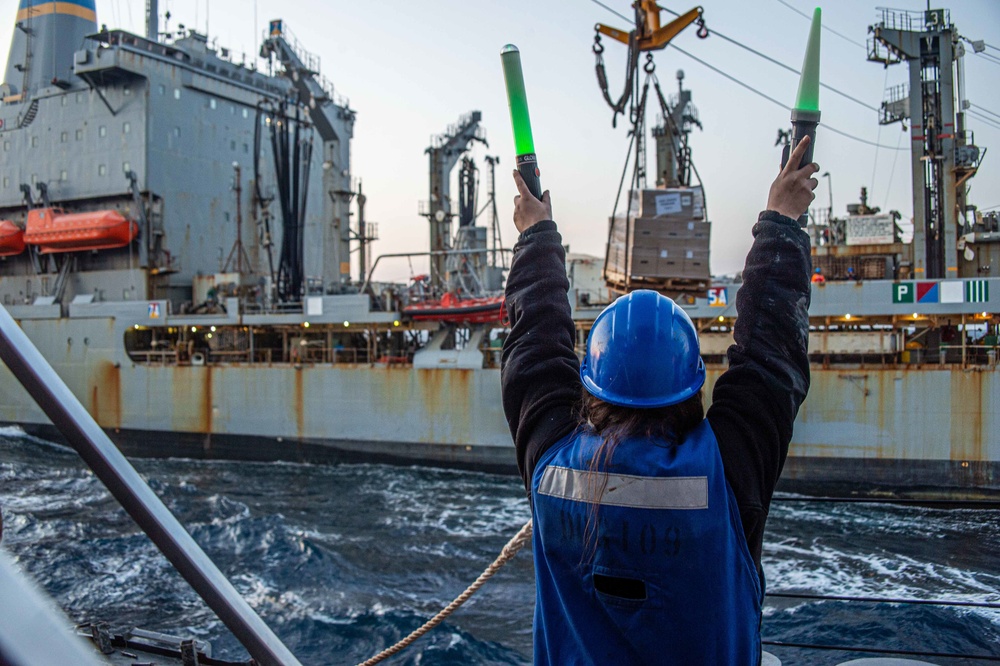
{"points": [[649, 514]]}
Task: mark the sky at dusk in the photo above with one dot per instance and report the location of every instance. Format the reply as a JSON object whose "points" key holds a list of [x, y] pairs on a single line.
{"points": [[410, 69]]}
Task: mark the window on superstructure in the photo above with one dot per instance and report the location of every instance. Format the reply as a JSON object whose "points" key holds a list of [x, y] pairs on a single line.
{"points": [[163, 89], [34, 142], [102, 131], [177, 131], [126, 91], [246, 114], [211, 103], [232, 109], [126, 167], [79, 135], [6, 182], [246, 148], [102, 170], [64, 137], [232, 145], [62, 100], [177, 93], [34, 178], [64, 175], [126, 127], [6, 146]]}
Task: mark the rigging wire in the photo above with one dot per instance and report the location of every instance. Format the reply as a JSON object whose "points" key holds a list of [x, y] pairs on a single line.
{"points": [[878, 138], [771, 99], [985, 110], [892, 171], [989, 58], [825, 27], [792, 69], [983, 119], [780, 64]]}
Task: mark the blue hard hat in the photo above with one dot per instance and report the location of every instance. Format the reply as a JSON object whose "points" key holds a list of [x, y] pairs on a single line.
{"points": [[643, 352]]}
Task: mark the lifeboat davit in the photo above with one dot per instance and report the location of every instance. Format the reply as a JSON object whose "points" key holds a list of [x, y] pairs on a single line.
{"points": [[11, 239], [54, 230], [451, 308]]}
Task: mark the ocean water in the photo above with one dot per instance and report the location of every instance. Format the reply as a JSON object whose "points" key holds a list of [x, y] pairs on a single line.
{"points": [[342, 561]]}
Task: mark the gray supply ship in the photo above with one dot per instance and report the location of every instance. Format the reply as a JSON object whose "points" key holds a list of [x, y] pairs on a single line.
{"points": [[128, 160]]}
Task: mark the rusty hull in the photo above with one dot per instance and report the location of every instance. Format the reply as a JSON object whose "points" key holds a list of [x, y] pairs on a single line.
{"points": [[875, 428]]}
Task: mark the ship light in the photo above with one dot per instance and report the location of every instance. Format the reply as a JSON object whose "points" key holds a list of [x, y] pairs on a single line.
{"points": [[721, 318], [212, 329], [847, 316], [209, 336], [396, 322], [305, 324], [136, 327], [346, 324], [194, 329], [914, 315], [985, 315]]}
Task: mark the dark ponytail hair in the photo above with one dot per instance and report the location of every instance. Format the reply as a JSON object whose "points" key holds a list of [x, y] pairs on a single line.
{"points": [[614, 424]]}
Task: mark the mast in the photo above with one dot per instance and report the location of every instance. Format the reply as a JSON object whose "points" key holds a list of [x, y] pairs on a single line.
{"points": [[152, 20], [943, 155]]}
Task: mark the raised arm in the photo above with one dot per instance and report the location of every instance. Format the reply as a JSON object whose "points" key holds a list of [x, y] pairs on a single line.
{"points": [[755, 402], [540, 372]]}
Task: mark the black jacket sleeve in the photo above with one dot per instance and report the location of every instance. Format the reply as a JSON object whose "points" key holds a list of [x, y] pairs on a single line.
{"points": [[755, 401], [539, 370]]}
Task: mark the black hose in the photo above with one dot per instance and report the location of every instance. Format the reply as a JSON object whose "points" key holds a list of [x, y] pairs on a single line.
{"points": [[908, 653]]}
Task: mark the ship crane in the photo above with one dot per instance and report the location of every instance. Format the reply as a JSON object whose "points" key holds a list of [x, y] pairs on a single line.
{"points": [[943, 152], [333, 119], [674, 165], [444, 153]]}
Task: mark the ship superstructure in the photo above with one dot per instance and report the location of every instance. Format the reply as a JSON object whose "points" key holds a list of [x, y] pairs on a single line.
{"points": [[220, 317], [159, 129]]}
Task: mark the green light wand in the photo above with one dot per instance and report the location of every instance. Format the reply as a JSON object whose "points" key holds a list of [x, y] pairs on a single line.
{"points": [[805, 115], [524, 145]]}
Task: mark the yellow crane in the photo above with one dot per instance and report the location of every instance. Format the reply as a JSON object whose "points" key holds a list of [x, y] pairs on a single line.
{"points": [[648, 35]]}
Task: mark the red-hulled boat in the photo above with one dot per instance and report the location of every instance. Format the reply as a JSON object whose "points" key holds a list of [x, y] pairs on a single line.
{"points": [[11, 239], [54, 230], [451, 308]]}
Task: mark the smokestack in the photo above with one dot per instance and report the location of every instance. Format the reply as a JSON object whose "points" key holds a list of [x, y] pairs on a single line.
{"points": [[46, 34], [152, 20]]}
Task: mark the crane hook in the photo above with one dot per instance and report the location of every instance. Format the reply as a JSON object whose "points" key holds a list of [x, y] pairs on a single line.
{"points": [[598, 47], [702, 29]]}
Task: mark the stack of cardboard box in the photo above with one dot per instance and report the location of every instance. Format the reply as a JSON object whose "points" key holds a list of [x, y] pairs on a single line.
{"points": [[666, 240]]}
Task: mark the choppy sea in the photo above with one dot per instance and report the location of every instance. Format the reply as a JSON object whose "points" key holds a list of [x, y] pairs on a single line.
{"points": [[343, 561]]}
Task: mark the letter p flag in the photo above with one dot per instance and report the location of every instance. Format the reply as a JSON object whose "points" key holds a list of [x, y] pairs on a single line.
{"points": [[902, 292]]}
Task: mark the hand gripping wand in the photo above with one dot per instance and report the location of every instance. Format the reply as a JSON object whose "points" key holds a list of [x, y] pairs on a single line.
{"points": [[805, 115], [524, 145]]}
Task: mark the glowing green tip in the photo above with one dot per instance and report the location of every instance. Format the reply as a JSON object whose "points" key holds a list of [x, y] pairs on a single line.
{"points": [[808, 98], [517, 99]]}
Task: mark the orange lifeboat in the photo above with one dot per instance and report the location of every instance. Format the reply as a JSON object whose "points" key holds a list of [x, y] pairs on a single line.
{"points": [[451, 308], [11, 239], [54, 230]]}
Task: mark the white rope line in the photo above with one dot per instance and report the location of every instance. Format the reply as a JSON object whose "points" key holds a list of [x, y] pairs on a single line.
{"points": [[508, 552]]}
